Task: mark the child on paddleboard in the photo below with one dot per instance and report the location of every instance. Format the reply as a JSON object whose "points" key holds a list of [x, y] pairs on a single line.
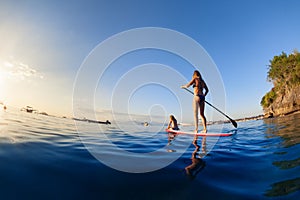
{"points": [[173, 123], [199, 98]]}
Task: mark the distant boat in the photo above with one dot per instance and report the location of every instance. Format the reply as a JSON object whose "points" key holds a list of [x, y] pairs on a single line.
{"points": [[43, 113], [28, 109], [92, 121]]}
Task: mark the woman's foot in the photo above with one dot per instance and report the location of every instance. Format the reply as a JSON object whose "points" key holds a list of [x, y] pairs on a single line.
{"points": [[204, 131], [195, 131]]}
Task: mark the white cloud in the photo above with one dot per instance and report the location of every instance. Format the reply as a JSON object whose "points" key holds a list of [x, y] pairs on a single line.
{"points": [[17, 70]]}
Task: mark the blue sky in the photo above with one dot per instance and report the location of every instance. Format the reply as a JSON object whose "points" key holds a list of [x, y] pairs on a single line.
{"points": [[44, 43]]}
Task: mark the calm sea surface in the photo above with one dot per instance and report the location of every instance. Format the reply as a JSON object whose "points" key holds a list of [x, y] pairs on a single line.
{"points": [[44, 157]]}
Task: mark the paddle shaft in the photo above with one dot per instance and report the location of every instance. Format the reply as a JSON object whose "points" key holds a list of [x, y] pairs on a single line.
{"points": [[231, 120]]}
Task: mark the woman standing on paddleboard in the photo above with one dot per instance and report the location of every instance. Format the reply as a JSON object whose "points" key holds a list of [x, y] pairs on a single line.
{"points": [[199, 98]]}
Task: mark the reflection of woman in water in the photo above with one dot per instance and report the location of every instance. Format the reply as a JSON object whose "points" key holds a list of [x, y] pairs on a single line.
{"points": [[197, 163], [171, 137]]}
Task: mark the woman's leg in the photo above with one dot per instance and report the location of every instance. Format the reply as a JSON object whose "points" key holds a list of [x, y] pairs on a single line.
{"points": [[196, 101], [203, 118]]}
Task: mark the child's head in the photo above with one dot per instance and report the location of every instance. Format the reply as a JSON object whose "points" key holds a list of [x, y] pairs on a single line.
{"points": [[172, 117]]}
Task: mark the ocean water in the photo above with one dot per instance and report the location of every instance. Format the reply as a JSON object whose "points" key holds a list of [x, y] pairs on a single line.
{"points": [[43, 157]]}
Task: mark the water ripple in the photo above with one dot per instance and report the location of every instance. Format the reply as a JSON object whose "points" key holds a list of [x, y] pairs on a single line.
{"points": [[42, 156]]}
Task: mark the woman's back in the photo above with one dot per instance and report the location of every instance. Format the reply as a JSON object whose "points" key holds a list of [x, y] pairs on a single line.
{"points": [[198, 86]]}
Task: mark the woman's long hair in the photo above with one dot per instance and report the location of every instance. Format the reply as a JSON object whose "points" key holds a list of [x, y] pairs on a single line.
{"points": [[197, 74]]}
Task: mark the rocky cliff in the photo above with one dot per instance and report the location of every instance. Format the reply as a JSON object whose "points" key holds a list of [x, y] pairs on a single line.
{"points": [[285, 102], [284, 98]]}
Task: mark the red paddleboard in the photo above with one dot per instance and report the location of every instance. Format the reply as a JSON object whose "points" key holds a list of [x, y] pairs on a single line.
{"points": [[200, 134]]}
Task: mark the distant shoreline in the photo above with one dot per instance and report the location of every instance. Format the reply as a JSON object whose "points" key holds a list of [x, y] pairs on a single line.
{"points": [[258, 117], [244, 119]]}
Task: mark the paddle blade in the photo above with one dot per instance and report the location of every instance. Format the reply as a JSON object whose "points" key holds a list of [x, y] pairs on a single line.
{"points": [[233, 123]]}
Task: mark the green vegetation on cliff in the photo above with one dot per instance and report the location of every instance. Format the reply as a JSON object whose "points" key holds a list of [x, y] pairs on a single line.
{"points": [[284, 72]]}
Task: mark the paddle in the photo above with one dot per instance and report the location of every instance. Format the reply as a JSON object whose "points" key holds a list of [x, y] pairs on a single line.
{"points": [[231, 120]]}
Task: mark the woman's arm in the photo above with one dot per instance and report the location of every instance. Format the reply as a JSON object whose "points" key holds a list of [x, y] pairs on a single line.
{"points": [[189, 84], [169, 125]]}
